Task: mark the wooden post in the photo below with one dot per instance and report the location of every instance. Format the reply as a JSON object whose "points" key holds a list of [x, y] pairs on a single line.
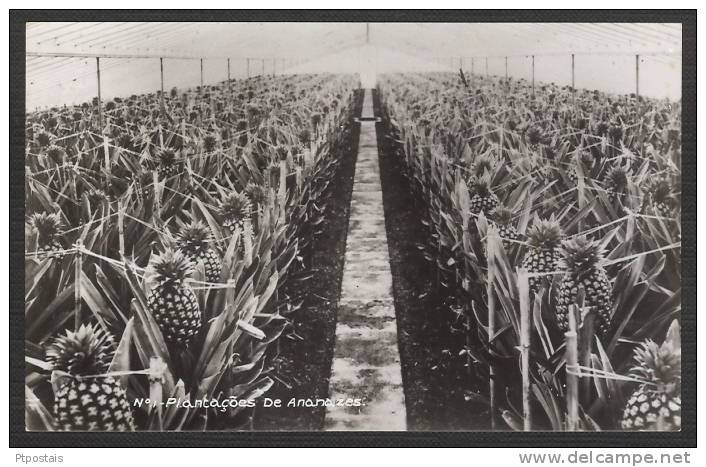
{"points": [[201, 60], [506, 69], [247, 241], [460, 62], [282, 192], [533, 76], [121, 227], [573, 78], [228, 62], [156, 379], [274, 67], [525, 330], [637, 75], [247, 67], [161, 78], [263, 67], [490, 252], [78, 268], [486, 67], [572, 380], [100, 103], [155, 189]]}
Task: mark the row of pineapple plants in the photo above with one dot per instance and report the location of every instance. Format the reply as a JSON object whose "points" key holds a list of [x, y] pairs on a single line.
{"points": [[579, 191], [161, 232]]}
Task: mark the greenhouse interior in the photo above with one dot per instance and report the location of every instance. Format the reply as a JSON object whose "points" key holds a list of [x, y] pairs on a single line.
{"points": [[235, 226]]}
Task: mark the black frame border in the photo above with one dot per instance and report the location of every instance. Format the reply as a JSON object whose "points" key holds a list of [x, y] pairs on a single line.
{"points": [[21, 438]]}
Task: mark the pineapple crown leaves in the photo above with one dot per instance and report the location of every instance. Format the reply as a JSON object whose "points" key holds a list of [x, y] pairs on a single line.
{"points": [[257, 193], [87, 351], [660, 190], [481, 185], [545, 233], [581, 254], [502, 215], [659, 364], [47, 226], [585, 158], [166, 157], [235, 206], [194, 236], [617, 177], [483, 163], [172, 266]]}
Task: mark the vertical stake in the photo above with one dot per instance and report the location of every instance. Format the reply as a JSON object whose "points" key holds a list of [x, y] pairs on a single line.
{"points": [[247, 67], [282, 192], [490, 249], [486, 67], [100, 103], [573, 77], [274, 67], [78, 268], [247, 241], [572, 383], [525, 329], [532, 76], [121, 227], [637, 75], [506, 70], [201, 60], [263, 67], [156, 379], [161, 78], [157, 194], [228, 62]]}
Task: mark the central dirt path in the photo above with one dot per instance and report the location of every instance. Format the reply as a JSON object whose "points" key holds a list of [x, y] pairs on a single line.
{"points": [[366, 361]]}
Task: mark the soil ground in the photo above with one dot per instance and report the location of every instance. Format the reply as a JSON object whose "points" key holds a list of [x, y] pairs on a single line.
{"points": [[304, 361], [433, 374]]}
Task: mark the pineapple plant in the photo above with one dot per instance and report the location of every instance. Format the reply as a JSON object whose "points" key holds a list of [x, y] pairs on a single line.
{"points": [[616, 183], [233, 209], [257, 194], [543, 256], [171, 301], [661, 197], [483, 199], [168, 164], [656, 404], [582, 260], [193, 240], [86, 399], [502, 217], [49, 228]]}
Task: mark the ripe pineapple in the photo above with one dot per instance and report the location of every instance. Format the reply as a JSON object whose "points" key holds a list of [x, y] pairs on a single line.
{"points": [[193, 241], [656, 404], [616, 183], [582, 258], [661, 197], [168, 164], [48, 228], [483, 199], [233, 210], [172, 302], [86, 401], [502, 217], [543, 256]]}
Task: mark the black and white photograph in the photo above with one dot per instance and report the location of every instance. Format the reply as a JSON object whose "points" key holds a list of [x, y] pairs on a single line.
{"points": [[353, 226]]}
